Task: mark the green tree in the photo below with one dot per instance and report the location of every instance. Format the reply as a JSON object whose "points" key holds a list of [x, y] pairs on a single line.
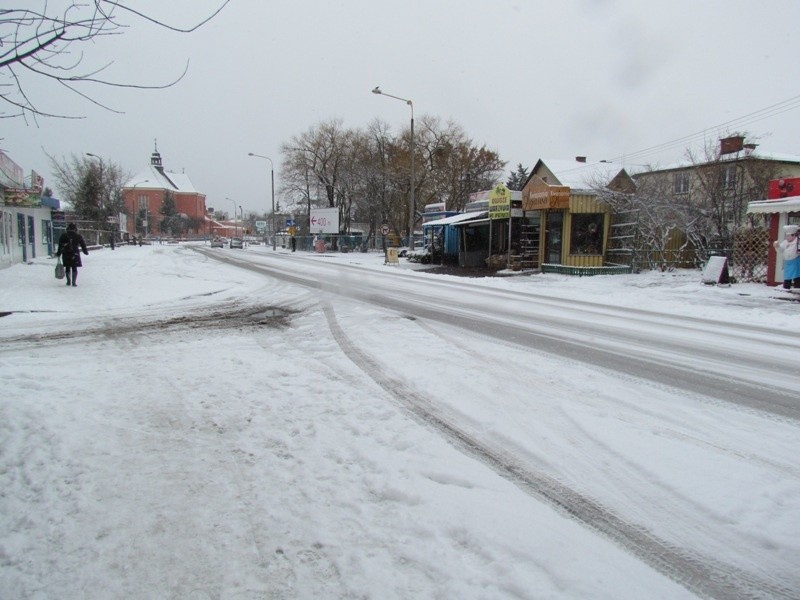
{"points": [[517, 178], [91, 187], [172, 222]]}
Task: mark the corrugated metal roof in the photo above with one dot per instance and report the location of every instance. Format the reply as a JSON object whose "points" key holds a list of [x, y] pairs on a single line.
{"points": [[457, 218]]}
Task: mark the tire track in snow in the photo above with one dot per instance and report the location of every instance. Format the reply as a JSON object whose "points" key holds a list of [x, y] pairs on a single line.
{"points": [[651, 492], [702, 575]]}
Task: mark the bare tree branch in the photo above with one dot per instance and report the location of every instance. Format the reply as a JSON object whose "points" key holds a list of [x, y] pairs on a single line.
{"points": [[42, 41]]}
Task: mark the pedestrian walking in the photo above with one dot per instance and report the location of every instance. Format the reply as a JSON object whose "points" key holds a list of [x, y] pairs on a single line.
{"points": [[70, 246]]}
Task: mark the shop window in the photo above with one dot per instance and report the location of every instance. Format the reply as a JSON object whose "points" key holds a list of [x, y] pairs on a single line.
{"points": [[587, 234]]}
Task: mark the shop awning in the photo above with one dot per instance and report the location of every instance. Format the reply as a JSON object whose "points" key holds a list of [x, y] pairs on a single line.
{"points": [[482, 219], [452, 220], [785, 205]]}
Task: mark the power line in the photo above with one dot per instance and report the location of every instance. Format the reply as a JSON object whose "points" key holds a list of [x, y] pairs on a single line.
{"points": [[753, 117]]}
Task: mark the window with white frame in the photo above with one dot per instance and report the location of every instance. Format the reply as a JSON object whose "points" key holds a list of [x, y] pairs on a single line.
{"points": [[681, 183], [729, 177]]}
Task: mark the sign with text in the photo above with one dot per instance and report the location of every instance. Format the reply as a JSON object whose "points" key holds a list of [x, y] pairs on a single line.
{"points": [[540, 195], [500, 202], [324, 220]]}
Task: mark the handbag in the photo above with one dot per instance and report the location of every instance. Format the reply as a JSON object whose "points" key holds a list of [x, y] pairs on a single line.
{"points": [[59, 269]]}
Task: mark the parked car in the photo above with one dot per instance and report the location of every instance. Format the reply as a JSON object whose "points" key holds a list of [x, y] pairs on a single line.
{"points": [[237, 243], [217, 243]]}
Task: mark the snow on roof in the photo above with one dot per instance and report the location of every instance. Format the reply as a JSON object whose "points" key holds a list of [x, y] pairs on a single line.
{"points": [[577, 174], [755, 154], [456, 218], [784, 205], [152, 177], [486, 194]]}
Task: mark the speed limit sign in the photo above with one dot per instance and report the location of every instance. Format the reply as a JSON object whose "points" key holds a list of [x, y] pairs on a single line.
{"points": [[384, 229]]}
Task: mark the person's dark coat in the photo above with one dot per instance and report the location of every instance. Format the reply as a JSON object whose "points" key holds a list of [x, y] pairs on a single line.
{"points": [[70, 246]]}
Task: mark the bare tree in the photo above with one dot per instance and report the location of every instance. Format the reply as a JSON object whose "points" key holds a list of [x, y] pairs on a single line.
{"points": [[45, 40], [684, 214], [723, 184], [312, 165], [365, 172], [380, 201], [91, 186], [454, 167]]}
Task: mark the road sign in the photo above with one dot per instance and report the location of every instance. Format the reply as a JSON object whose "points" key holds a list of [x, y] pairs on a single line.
{"points": [[324, 220], [384, 229]]}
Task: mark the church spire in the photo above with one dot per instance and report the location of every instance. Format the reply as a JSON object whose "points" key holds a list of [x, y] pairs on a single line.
{"points": [[155, 158]]}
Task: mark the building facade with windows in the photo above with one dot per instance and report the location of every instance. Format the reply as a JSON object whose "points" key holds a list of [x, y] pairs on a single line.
{"points": [[26, 217], [705, 200], [145, 195], [722, 182]]}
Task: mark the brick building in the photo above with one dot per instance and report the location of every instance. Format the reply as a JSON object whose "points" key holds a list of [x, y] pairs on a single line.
{"points": [[144, 196]]}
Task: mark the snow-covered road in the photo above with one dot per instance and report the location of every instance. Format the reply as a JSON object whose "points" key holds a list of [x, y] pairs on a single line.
{"points": [[334, 430], [732, 361]]}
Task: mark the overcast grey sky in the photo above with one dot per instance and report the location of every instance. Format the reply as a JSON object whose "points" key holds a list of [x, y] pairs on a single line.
{"points": [[528, 78]]}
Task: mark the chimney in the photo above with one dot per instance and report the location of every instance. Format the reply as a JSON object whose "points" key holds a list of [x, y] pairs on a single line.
{"points": [[580, 159], [732, 144]]}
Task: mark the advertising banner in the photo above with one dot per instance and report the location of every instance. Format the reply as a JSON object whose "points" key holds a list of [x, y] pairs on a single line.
{"points": [[542, 196], [500, 202]]}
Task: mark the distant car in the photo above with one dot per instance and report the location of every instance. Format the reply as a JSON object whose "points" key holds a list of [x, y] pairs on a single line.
{"points": [[217, 243], [237, 243]]}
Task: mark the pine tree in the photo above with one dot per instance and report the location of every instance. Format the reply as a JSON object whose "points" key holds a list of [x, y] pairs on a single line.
{"points": [[517, 179]]}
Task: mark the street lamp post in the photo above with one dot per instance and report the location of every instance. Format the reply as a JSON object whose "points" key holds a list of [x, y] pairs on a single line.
{"points": [[411, 203], [272, 182], [235, 229]]}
